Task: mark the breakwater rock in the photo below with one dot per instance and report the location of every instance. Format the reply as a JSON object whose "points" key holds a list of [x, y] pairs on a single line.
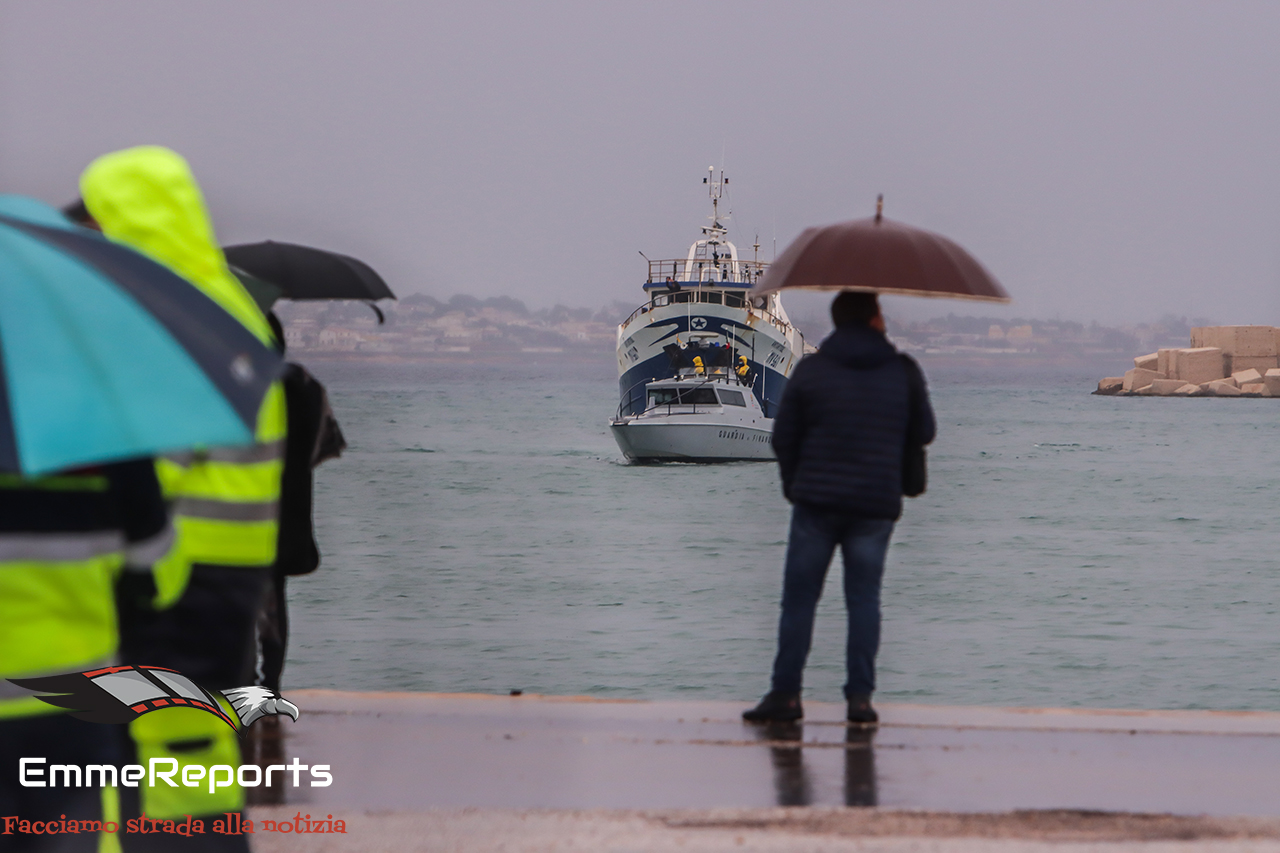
{"points": [[1222, 361]]}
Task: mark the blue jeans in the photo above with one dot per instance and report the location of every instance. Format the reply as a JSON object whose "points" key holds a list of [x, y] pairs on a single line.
{"points": [[863, 543]]}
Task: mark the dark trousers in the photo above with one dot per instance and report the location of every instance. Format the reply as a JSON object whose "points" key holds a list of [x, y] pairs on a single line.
{"points": [[62, 740], [208, 635], [273, 633], [863, 544]]}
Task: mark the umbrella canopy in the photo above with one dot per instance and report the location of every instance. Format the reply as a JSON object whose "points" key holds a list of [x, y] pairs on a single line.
{"points": [[301, 272], [105, 354], [880, 256]]}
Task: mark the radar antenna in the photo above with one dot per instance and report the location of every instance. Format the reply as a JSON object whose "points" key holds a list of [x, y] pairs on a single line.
{"points": [[715, 189]]}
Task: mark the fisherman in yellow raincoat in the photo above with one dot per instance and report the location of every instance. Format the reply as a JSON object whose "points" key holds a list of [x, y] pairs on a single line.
{"points": [[224, 500]]}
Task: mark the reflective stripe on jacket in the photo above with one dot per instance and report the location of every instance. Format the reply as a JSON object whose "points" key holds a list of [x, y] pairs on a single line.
{"points": [[64, 540], [225, 502]]}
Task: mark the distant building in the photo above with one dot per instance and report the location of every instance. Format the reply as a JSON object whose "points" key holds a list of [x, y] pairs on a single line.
{"points": [[294, 338], [339, 339]]}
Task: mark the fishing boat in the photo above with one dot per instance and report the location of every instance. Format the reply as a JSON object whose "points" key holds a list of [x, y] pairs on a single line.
{"points": [[701, 366]]}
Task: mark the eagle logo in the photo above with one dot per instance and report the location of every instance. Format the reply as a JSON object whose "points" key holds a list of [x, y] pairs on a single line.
{"points": [[253, 702], [121, 694]]}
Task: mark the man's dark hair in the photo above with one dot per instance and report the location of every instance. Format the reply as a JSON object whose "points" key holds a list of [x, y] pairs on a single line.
{"points": [[77, 212], [853, 308]]}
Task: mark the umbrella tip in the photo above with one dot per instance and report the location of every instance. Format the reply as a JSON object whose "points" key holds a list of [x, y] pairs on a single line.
{"points": [[879, 207]]}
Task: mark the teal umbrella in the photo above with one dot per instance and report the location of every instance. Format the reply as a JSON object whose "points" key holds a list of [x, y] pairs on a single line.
{"points": [[105, 354]]}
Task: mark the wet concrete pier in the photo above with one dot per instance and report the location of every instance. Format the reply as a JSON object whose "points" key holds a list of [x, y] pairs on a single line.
{"points": [[415, 751]]}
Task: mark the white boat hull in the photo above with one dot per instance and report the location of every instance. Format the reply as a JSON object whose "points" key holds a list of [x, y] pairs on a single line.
{"points": [[673, 439]]}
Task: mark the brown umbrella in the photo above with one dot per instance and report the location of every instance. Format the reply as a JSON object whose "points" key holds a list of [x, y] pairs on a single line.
{"points": [[880, 256]]}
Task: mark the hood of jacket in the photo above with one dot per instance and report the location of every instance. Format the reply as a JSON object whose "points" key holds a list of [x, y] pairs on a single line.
{"points": [[148, 199], [858, 346]]}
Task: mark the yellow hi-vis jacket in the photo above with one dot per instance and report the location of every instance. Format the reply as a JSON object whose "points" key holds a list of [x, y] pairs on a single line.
{"points": [[64, 541], [226, 500]]}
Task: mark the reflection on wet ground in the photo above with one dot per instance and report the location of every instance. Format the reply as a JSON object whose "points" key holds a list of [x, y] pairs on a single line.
{"points": [[263, 745], [415, 751], [791, 779]]}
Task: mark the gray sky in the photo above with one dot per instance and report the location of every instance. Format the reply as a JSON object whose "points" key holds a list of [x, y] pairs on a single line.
{"points": [[1106, 160]]}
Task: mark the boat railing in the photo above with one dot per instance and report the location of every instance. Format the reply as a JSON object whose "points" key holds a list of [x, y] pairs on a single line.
{"points": [[781, 324], [629, 397], [706, 271]]}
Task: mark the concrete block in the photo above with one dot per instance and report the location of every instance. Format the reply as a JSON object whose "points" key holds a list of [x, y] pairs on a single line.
{"points": [[1115, 384], [1198, 365], [1253, 389], [1146, 391], [1138, 378], [1248, 341], [1164, 361], [1224, 388], [1237, 363], [1272, 380], [1246, 377], [1166, 387], [1186, 390], [1150, 361], [1253, 342]]}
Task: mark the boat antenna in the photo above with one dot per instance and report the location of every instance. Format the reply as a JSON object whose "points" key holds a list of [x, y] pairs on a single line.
{"points": [[714, 189]]}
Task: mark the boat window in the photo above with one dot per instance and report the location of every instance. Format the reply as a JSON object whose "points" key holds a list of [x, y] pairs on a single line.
{"points": [[659, 301], [713, 297], [681, 297], [682, 397], [733, 300], [732, 398]]}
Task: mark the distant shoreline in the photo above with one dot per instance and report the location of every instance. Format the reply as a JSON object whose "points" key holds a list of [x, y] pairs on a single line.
{"points": [[585, 357]]}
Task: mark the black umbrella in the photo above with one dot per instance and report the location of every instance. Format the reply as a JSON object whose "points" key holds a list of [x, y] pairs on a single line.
{"points": [[272, 271]]}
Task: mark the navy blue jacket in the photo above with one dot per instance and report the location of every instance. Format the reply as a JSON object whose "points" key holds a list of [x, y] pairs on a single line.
{"points": [[847, 414]]}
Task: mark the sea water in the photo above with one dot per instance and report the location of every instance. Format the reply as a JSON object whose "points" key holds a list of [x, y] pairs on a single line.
{"points": [[482, 533]]}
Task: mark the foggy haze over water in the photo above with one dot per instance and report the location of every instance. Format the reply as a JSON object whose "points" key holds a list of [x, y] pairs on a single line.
{"points": [[1106, 160]]}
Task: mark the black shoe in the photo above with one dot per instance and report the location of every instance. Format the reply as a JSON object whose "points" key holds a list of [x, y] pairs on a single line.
{"points": [[775, 707], [860, 711]]}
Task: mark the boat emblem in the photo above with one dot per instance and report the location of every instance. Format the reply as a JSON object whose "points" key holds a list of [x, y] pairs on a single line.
{"points": [[698, 323]]}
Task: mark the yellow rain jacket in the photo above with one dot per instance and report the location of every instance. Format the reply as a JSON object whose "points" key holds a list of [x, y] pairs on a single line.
{"points": [[225, 499]]}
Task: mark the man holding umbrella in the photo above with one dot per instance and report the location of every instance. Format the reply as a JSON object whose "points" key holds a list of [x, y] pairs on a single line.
{"points": [[847, 415], [850, 435]]}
